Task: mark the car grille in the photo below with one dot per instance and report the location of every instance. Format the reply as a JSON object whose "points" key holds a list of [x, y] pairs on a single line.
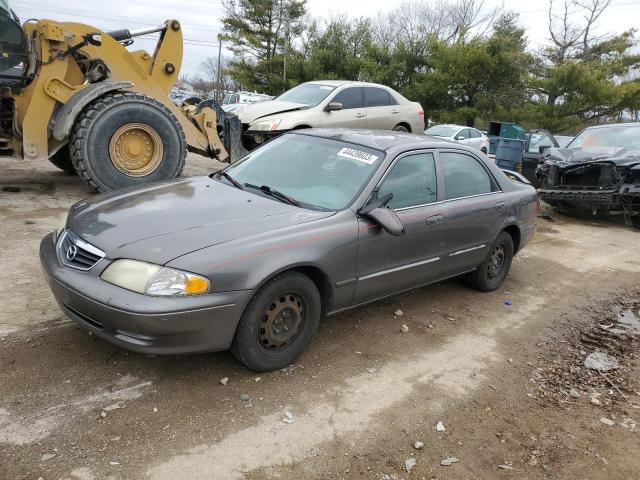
{"points": [[76, 253]]}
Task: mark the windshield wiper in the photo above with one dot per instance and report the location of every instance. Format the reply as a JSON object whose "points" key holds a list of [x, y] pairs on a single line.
{"points": [[275, 194], [233, 181]]}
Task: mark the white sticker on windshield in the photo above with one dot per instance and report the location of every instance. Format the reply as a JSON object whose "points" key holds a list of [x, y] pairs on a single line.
{"points": [[353, 154]]}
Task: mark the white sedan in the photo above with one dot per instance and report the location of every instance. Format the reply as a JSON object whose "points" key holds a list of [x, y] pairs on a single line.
{"points": [[461, 134]]}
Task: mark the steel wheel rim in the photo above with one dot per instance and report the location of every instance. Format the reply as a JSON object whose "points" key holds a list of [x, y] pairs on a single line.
{"points": [[281, 321], [496, 262], [136, 149]]}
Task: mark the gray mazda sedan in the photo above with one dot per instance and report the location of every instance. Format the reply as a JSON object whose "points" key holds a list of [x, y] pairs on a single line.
{"points": [[310, 224]]}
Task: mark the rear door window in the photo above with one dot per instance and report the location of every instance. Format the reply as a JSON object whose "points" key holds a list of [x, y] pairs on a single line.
{"points": [[377, 97], [350, 98], [464, 176], [412, 181]]}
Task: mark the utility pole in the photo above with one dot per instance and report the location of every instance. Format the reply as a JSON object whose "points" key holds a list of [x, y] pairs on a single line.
{"points": [[286, 51], [219, 81]]}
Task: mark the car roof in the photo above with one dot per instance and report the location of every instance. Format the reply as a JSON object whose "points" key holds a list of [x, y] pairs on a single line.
{"points": [[340, 83], [453, 125], [378, 139], [623, 124]]}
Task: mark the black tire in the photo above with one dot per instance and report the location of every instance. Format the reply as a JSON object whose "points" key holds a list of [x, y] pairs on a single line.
{"points": [[635, 221], [252, 344], [489, 276], [62, 160], [401, 128], [94, 128]]}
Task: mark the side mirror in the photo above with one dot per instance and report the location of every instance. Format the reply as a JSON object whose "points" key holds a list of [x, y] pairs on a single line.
{"points": [[386, 218], [543, 148], [333, 106], [461, 137]]}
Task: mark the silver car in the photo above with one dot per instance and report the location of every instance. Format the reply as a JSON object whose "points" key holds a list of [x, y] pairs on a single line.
{"points": [[469, 136], [310, 224], [330, 104]]}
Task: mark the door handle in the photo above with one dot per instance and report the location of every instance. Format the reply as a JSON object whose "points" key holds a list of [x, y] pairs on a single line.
{"points": [[359, 115], [435, 219], [501, 205], [395, 111]]}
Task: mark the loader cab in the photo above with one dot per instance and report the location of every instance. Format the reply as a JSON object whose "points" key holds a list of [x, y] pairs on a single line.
{"points": [[14, 52]]}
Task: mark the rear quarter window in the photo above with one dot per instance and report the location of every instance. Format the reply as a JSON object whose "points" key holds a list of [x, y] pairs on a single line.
{"points": [[377, 97], [464, 176]]}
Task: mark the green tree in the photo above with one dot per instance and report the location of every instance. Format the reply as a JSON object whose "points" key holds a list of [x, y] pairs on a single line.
{"points": [[338, 52], [258, 32], [473, 79], [581, 79]]}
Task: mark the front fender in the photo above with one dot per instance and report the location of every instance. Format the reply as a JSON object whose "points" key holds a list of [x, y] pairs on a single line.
{"points": [[329, 245], [66, 116]]}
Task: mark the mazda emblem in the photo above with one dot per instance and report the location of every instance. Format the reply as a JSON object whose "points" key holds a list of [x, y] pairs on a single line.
{"points": [[72, 251]]}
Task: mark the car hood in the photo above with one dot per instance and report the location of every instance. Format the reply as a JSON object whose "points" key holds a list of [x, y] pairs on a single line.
{"points": [[252, 112], [166, 220], [567, 157]]}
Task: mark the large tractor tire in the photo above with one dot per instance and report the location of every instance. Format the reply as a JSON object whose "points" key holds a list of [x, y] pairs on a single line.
{"points": [[125, 140], [62, 160]]}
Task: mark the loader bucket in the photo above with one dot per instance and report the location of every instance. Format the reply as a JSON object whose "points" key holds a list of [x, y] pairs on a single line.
{"points": [[231, 131]]}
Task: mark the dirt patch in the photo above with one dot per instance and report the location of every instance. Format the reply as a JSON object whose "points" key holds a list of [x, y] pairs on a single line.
{"points": [[561, 377]]}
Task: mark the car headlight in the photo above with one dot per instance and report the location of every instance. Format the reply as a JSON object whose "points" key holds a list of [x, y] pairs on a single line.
{"points": [[266, 125], [62, 223], [151, 279]]}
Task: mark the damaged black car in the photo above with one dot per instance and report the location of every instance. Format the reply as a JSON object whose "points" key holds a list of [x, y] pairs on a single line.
{"points": [[598, 173]]}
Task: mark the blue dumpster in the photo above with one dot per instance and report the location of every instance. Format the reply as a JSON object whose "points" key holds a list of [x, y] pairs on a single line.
{"points": [[509, 154], [498, 130]]}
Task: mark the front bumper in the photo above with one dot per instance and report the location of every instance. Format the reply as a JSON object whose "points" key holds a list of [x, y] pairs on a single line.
{"points": [[595, 197], [254, 138], [156, 325]]}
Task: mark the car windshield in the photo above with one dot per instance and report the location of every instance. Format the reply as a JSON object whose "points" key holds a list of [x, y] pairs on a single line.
{"points": [[310, 94], [230, 98], [614, 136], [316, 172], [441, 131]]}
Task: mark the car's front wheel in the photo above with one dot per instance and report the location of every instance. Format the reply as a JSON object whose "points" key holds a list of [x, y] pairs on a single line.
{"points": [[278, 323], [492, 272]]}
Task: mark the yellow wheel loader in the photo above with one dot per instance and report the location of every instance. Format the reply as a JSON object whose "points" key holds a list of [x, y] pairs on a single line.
{"points": [[77, 96]]}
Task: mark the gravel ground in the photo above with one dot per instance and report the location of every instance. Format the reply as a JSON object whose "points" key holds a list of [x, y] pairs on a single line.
{"points": [[506, 381]]}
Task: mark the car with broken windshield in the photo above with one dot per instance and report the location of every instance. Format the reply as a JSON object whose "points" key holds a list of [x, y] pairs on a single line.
{"points": [[598, 173], [310, 224]]}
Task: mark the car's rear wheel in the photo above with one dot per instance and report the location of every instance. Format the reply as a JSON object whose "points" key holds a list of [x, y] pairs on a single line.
{"points": [[278, 323], [400, 128], [492, 272]]}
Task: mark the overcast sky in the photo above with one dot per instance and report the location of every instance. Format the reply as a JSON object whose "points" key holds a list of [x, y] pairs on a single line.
{"points": [[201, 18]]}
